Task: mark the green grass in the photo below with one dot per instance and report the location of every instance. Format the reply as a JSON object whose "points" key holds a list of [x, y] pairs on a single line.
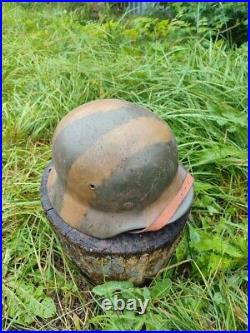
{"points": [[53, 62]]}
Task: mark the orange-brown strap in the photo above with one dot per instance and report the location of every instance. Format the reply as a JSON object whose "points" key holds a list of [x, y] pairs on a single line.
{"points": [[172, 207]]}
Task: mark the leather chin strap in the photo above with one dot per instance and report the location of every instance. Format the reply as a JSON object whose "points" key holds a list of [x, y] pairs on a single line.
{"points": [[171, 208]]}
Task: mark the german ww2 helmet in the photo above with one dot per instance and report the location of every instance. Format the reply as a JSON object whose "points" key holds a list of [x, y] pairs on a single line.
{"points": [[115, 169]]}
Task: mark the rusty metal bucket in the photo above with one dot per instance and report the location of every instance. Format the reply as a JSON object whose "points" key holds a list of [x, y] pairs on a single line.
{"points": [[131, 257]]}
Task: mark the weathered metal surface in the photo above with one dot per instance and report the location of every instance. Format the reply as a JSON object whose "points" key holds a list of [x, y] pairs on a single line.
{"points": [[115, 168], [135, 268], [133, 257]]}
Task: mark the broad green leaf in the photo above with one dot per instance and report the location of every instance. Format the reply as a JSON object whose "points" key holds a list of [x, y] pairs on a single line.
{"points": [[26, 302]]}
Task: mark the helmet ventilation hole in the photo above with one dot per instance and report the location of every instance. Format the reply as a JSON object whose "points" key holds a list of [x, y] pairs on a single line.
{"points": [[91, 187], [128, 205]]}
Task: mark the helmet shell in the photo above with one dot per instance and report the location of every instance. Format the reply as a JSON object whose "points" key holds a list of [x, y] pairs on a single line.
{"points": [[115, 168]]}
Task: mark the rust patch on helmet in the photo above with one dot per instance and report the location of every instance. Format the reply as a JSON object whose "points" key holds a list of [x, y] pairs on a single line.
{"points": [[72, 210]]}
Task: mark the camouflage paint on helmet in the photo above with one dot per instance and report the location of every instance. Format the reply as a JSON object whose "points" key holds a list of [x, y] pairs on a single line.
{"points": [[115, 168]]}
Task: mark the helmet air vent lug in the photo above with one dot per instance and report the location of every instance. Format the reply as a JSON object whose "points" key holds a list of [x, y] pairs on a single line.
{"points": [[92, 187]]}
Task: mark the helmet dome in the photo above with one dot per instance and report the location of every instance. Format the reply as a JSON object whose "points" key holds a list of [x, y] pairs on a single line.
{"points": [[115, 169]]}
